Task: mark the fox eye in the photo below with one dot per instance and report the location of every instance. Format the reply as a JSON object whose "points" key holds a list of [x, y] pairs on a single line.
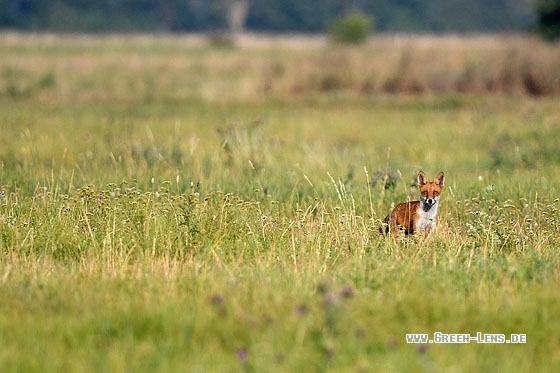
{"points": [[436, 193], [426, 194]]}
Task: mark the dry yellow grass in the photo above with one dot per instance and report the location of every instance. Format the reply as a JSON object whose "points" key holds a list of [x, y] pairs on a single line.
{"points": [[92, 69]]}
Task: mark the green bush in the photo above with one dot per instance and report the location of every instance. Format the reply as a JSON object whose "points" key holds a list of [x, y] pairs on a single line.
{"points": [[353, 28]]}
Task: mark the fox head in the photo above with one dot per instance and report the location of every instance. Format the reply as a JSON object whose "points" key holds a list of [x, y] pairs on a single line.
{"points": [[430, 191]]}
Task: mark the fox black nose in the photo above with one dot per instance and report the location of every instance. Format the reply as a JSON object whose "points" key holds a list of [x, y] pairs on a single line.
{"points": [[430, 201]]}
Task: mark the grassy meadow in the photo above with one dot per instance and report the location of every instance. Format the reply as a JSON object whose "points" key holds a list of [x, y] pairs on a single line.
{"points": [[173, 204]]}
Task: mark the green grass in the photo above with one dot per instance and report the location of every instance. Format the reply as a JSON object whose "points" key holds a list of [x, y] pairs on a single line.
{"points": [[171, 229]]}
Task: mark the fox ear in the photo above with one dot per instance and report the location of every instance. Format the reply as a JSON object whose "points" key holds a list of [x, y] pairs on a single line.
{"points": [[440, 179], [422, 178]]}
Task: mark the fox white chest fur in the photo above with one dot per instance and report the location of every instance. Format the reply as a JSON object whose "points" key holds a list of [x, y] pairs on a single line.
{"points": [[427, 214]]}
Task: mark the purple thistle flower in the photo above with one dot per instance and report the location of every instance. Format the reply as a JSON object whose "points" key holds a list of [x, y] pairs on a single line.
{"points": [[242, 355]]}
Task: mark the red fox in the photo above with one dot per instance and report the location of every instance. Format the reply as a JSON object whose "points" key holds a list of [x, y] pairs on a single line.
{"points": [[416, 216]]}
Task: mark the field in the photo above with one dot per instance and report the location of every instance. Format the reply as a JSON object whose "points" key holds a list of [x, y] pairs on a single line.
{"points": [[170, 203]]}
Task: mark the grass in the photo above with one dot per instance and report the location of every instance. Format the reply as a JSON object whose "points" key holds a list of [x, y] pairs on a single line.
{"points": [[161, 209]]}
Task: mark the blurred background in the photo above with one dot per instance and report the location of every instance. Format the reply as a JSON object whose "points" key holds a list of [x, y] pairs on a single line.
{"points": [[308, 16]]}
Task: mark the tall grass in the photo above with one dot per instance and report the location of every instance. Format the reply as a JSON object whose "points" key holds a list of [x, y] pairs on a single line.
{"points": [[159, 211]]}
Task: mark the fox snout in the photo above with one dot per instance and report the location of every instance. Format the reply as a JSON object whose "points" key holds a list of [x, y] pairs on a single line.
{"points": [[428, 203]]}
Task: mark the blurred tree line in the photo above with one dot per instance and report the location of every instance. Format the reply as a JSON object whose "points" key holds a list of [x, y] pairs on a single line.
{"points": [[264, 15]]}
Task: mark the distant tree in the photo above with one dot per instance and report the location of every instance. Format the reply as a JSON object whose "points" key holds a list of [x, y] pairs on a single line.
{"points": [[548, 22], [353, 28]]}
